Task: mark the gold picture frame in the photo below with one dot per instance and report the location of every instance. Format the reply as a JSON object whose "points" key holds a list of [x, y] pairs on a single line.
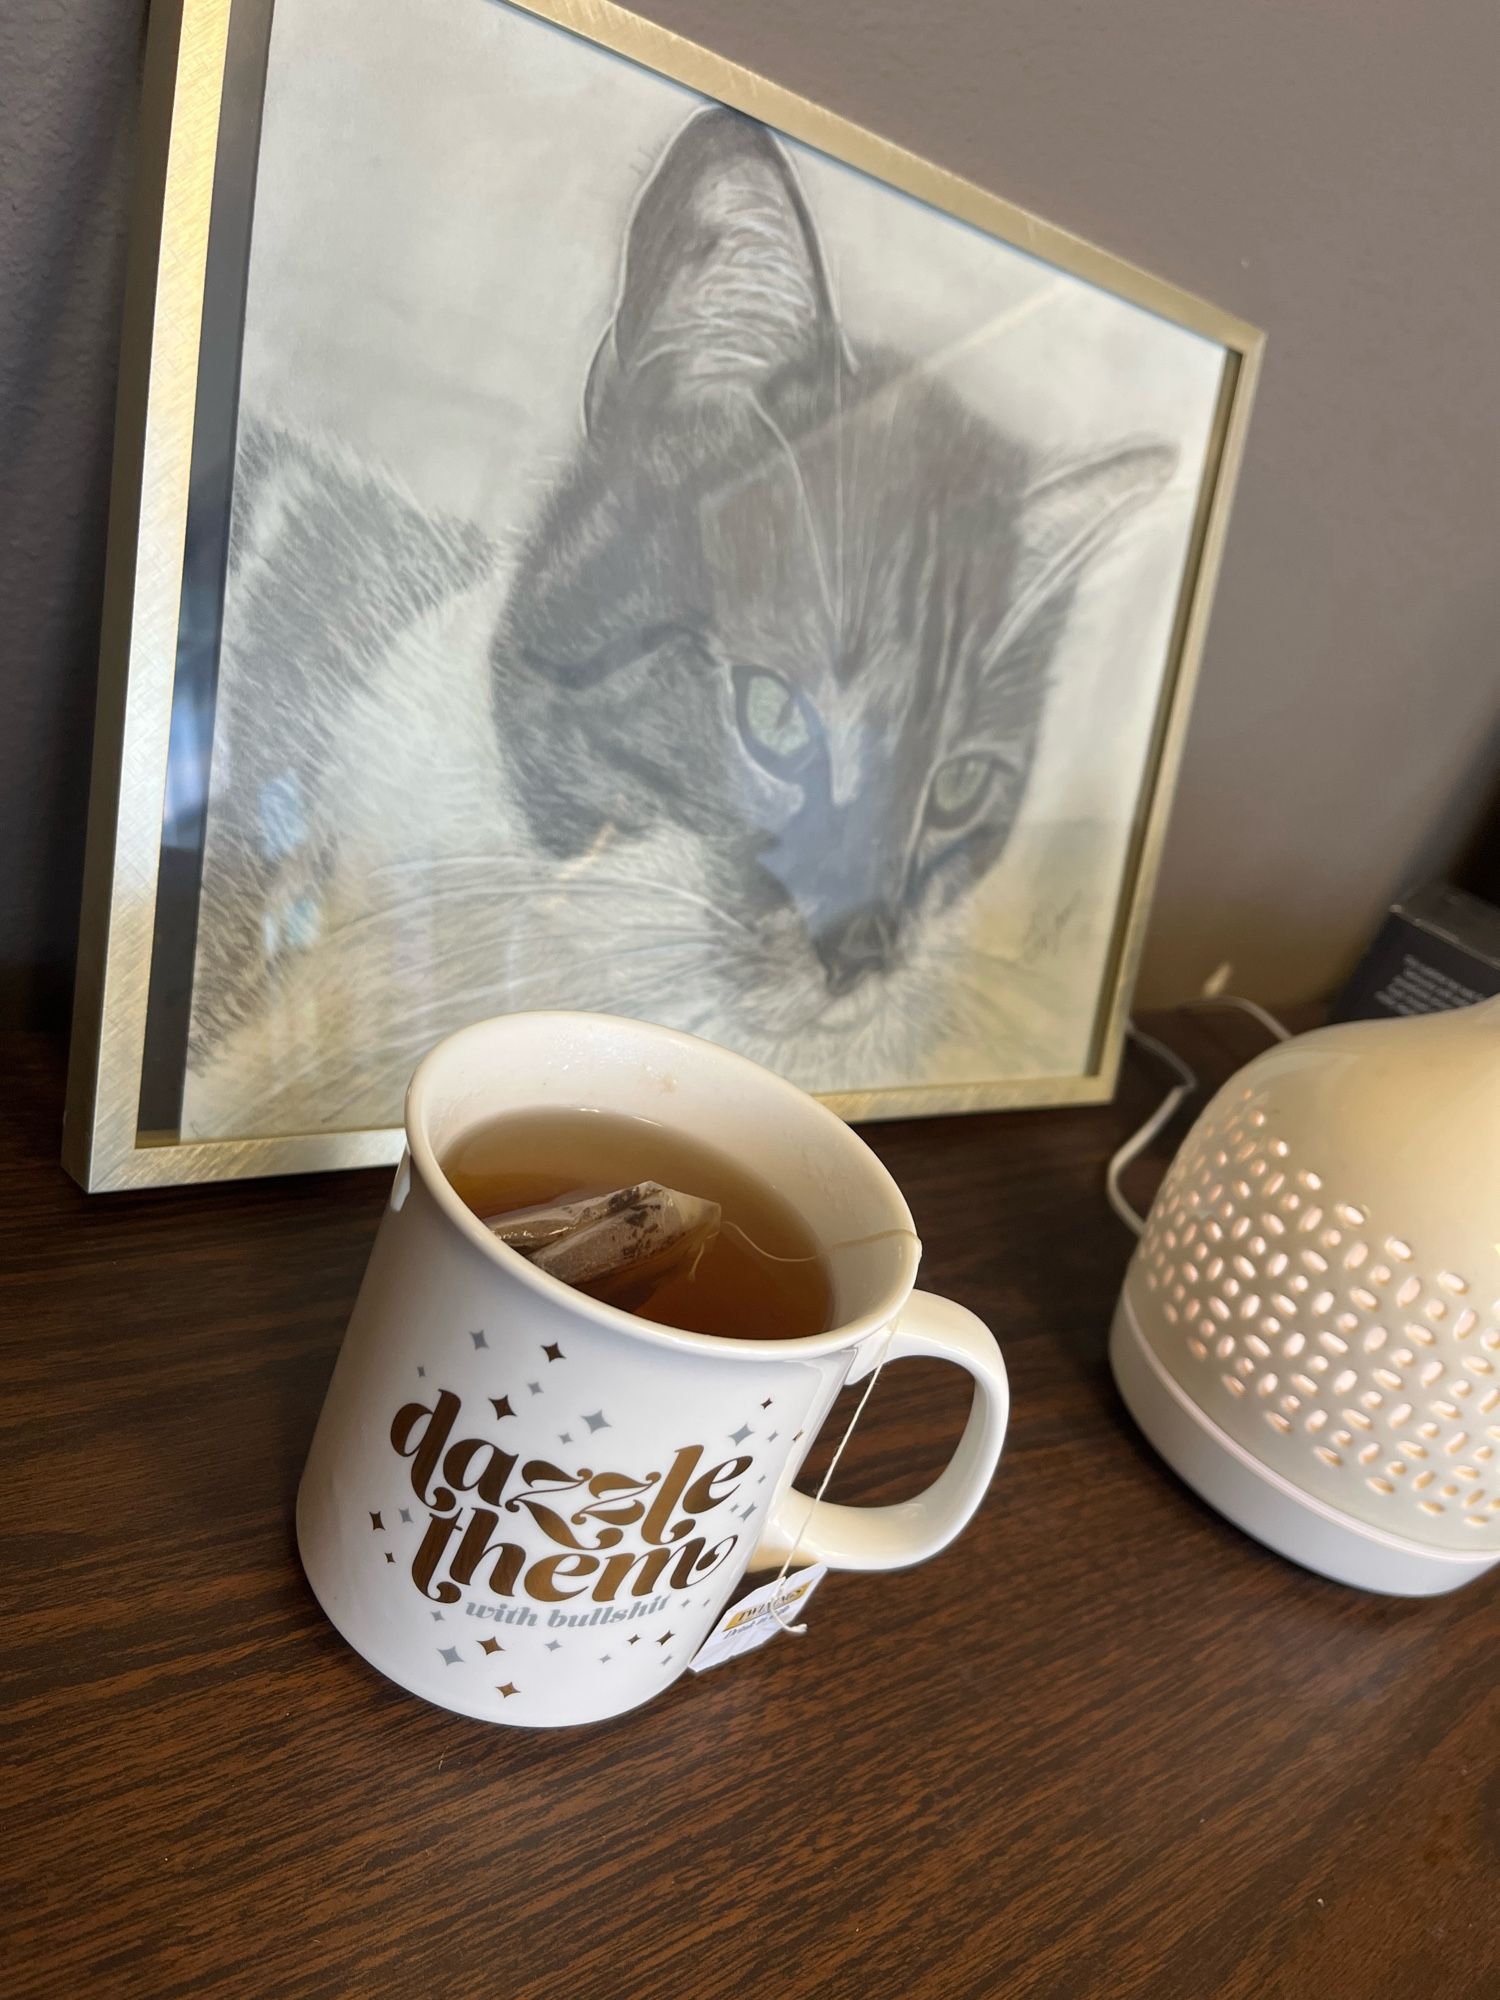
{"points": [[108, 1144]]}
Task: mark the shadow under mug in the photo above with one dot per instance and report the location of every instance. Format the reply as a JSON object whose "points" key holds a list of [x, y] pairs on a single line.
{"points": [[531, 1507]]}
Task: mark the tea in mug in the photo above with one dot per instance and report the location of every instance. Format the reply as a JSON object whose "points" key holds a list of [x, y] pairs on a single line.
{"points": [[759, 1276]]}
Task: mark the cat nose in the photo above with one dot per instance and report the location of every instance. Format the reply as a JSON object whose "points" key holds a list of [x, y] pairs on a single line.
{"points": [[861, 943]]}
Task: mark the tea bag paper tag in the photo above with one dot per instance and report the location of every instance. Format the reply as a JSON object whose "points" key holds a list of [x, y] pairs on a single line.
{"points": [[752, 1621]]}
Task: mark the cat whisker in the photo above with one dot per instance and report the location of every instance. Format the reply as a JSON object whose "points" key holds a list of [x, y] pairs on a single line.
{"points": [[432, 863], [559, 885], [342, 1084], [889, 394], [970, 955], [348, 932], [808, 515], [653, 886], [689, 945], [496, 982], [839, 359]]}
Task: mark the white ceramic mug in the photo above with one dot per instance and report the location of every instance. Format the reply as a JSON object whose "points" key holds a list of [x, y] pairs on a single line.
{"points": [[532, 1507]]}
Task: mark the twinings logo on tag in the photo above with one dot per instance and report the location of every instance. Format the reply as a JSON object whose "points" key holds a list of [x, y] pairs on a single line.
{"points": [[758, 1617]]}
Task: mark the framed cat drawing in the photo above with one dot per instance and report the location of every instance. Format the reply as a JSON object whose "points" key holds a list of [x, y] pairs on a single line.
{"points": [[592, 529]]}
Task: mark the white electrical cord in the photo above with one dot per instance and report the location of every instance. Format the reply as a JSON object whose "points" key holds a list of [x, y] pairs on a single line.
{"points": [[1251, 1007], [1139, 1140], [1137, 1143]]}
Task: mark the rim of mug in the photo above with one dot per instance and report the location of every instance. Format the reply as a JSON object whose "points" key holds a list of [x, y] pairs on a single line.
{"points": [[423, 1156]]}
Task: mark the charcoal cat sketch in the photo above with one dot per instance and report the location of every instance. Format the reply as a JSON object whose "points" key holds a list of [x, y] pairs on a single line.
{"points": [[734, 727]]}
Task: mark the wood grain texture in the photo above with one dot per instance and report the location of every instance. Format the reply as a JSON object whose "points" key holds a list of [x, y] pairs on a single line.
{"points": [[1103, 1746]]}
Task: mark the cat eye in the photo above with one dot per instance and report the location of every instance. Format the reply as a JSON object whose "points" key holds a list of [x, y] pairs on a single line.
{"points": [[777, 722], [958, 789]]}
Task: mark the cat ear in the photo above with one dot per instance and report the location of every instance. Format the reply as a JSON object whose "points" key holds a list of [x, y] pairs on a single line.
{"points": [[724, 286], [1073, 512]]}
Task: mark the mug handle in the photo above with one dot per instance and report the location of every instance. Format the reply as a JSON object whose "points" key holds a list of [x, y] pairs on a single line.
{"points": [[892, 1537]]}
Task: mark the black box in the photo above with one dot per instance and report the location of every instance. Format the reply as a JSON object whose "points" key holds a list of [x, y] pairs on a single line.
{"points": [[1438, 948]]}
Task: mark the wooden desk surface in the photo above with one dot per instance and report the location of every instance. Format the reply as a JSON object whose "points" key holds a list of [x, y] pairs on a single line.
{"points": [[1104, 1746]]}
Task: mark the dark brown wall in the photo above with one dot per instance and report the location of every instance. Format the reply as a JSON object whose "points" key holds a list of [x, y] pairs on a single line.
{"points": [[1327, 170]]}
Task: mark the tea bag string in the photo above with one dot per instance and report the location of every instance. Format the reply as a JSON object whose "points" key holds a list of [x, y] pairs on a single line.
{"points": [[729, 1228], [776, 1608]]}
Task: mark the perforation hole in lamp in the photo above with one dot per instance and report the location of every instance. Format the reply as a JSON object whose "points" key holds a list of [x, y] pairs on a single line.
{"points": [[1309, 1332]]}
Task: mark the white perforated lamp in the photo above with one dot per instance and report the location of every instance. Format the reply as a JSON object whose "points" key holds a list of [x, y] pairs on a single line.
{"points": [[1309, 1332]]}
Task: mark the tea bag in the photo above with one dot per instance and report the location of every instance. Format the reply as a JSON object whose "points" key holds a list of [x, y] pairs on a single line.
{"points": [[617, 1246]]}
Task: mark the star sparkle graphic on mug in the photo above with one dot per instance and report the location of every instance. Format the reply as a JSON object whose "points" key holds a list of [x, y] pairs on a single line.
{"points": [[475, 1453]]}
